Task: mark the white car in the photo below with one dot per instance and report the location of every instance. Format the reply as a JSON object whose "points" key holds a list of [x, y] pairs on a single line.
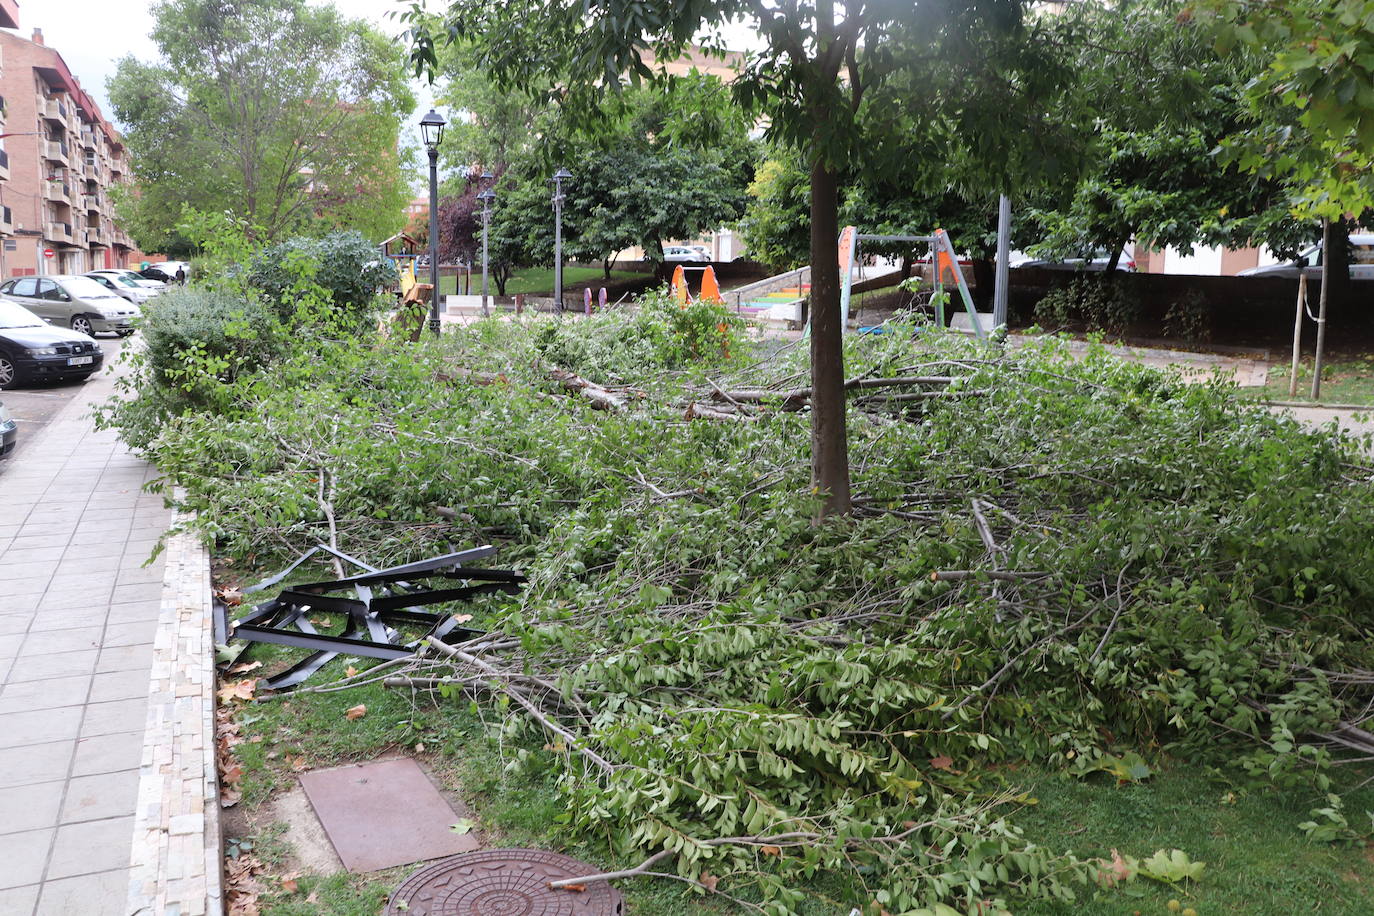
{"points": [[170, 268], [79, 303], [683, 253], [124, 287], [1310, 261], [132, 275]]}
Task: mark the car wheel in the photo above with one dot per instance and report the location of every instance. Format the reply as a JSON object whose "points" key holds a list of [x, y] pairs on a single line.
{"points": [[8, 373], [82, 325], [124, 333]]}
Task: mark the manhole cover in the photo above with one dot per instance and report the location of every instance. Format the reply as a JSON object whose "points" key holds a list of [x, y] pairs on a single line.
{"points": [[503, 882]]}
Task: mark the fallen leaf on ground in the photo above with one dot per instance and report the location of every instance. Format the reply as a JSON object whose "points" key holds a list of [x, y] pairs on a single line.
{"points": [[708, 880], [288, 884], [461, 618], [245, 667], [230, 596], [462, 826], [239, 690], [771, 850], [350, 671], [232, 774], [356, 712]]}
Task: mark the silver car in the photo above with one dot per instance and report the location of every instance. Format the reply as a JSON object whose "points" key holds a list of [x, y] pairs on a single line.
{"points": [[73, 302], [123, 287]]}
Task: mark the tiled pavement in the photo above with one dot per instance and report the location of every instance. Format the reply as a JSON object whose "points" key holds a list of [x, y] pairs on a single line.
{"points": [[78, 610]]}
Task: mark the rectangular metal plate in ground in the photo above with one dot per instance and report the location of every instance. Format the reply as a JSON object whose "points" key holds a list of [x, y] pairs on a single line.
{"points": [[383, 814]]}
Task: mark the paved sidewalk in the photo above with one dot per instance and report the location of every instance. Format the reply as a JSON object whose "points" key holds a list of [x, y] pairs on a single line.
{"points": [[78, 612]]}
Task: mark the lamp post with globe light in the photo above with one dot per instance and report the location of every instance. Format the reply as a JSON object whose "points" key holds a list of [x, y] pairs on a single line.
{"points": [[486, 197], [432, 132]]}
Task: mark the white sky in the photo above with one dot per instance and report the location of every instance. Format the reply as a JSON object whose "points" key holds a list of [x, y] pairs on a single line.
{"points": [[92, 35]]}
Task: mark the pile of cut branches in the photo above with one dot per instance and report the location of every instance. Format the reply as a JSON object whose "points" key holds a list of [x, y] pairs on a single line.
{"points": [[1052, 560]]}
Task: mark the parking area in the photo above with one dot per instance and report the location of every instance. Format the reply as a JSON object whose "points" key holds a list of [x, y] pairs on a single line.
{"points": [[33, 406]]}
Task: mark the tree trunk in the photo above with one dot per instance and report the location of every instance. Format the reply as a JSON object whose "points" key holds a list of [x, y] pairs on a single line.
{"points": [[906, 266], [829, 437], [1336, 255]]}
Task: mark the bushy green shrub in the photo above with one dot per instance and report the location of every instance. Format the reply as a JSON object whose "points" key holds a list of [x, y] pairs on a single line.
{"points": [[1189, 318], [197, 342], [662, 334], [1099, 302], [346, 265]]}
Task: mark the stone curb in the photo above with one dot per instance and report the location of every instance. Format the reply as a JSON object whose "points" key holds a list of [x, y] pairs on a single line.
{"points": [[176, 862]]}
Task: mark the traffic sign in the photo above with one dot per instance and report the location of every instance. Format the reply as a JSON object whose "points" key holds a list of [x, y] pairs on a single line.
{"points": [[48, 253]]}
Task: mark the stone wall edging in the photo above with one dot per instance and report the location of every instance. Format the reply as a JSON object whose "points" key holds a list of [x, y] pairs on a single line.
{"points": [[176, 862]]}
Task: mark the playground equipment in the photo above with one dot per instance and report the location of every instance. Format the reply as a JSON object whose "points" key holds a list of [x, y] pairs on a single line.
{"points": [[941, 259], [710, 286]]}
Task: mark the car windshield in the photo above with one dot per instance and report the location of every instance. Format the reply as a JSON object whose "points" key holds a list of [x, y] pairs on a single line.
{"points": [[86, 288], [13, 315], [123, 279]]}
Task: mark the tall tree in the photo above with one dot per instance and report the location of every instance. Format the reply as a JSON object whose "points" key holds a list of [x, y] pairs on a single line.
{"points": [[833, 78], [285, 114]]}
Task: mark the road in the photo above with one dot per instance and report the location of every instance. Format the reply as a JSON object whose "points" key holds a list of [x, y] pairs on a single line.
{"points": [[34, 405]]}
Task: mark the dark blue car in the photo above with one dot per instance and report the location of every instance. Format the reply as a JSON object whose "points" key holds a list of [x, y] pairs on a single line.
{"points": [[32, 351]]}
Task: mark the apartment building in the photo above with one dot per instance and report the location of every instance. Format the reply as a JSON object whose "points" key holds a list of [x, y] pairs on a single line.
{"points": [[59, 158]]}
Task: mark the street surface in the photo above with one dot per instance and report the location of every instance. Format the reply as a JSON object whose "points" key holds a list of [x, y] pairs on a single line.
{"points": [[32, 406]]}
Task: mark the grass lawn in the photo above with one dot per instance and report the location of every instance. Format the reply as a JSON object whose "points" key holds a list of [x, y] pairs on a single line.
{"points": [[539, 280], [1346, 379], [1258, 862]]}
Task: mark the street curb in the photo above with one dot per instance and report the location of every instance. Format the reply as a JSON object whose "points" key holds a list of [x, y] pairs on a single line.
{"points": [[1318, 404], [176, 860]]}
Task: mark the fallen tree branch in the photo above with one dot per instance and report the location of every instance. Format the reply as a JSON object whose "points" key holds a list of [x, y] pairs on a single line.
{"points": [[601, 398], [959, 575]]}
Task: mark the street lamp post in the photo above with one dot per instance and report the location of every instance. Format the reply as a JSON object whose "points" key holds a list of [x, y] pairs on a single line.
{"points": [[559, 177], [486, 197], [432, 132]]}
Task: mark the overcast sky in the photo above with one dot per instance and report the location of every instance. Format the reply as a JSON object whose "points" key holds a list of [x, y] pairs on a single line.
{"points": [[92, 35]]}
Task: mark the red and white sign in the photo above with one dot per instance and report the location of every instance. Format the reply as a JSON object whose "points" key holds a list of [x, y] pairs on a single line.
{"points": [[48, 253]]}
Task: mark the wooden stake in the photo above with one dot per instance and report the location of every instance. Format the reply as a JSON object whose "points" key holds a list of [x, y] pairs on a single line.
{"points": [[1297, 335], [1321, 310]]}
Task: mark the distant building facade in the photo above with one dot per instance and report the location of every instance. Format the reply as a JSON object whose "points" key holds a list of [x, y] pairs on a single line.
{"points": [[57, 165]]}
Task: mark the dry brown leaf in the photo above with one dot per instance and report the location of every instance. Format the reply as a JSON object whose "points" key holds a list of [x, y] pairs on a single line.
{"points": [[245, 667], [232, 597], [461, 618], [312, 897], [229, 796], [580, 888], [942, 763], [288, 884], [420, 748], [232, 774], [708, 881], [350, 671], [356, 712], [296, 763], [239, 690], [771, 850]]}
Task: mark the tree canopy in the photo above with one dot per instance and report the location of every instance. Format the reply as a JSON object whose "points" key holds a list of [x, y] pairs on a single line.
{"points": [[285, 114]]}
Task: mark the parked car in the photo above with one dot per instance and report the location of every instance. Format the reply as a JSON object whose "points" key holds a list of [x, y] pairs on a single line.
{"points": [[123, 287], [9, 431], [132, 276], [79, 303], [153, 273], [1098, 259], [1310, 261], [170, 268], [683, 253], [31, 350]]}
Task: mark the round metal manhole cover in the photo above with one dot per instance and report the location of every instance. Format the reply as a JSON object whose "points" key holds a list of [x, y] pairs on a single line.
{"points": [[503, 882]]}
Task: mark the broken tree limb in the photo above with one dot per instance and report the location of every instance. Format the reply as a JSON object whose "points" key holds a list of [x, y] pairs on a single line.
{"points": [[601, 398], [503, 682], [707, 412], [959, 575]]}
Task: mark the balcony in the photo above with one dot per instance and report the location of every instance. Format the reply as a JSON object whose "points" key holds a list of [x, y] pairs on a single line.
{"points": [[97, 236], [55, 150], [88, 140], [58, 232], [6, 220], [92, 202], [57, 191], [4, 165], [54, 110]]}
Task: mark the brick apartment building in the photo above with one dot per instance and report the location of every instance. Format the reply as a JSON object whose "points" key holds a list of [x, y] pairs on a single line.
{"points": [[58, 159]]}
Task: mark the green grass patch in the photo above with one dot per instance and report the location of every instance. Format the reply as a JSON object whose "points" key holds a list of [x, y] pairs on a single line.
{"points": [[539, 280], [1345, 380], [1258, 862]]}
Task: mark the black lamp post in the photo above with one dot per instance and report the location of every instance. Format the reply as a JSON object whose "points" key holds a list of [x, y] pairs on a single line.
{"points": [[486, 197], [432, 132], [559, 177]]}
